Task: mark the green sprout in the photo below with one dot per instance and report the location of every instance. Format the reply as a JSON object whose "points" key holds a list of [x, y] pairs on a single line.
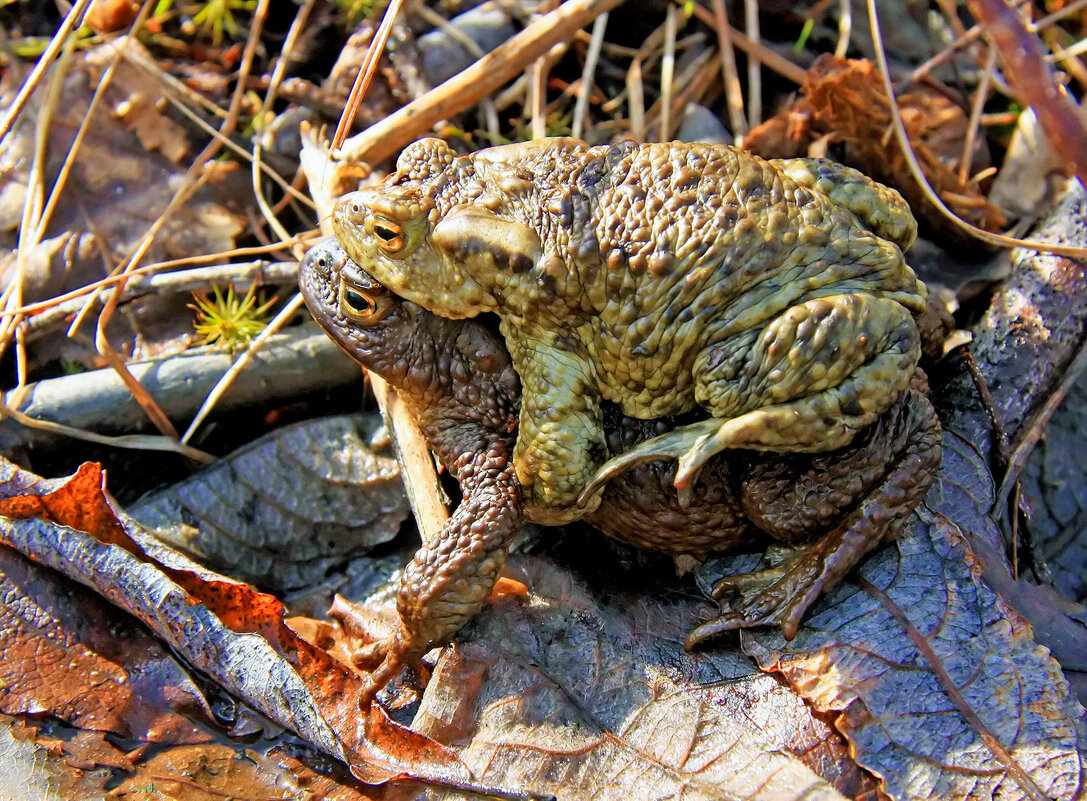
{"points": [[217, 17], [228, 321]]}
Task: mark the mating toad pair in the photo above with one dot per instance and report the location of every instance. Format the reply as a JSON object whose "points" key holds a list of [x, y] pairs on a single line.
{"points": [[634, 284]]}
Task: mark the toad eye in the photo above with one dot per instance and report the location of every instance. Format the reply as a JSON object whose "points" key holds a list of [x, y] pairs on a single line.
{"points": [[364, 307], [358, 303], [390, 234]]}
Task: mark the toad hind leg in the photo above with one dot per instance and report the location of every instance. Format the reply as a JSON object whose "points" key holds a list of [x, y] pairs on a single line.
{"points": [[783, 594], [815, 375]]}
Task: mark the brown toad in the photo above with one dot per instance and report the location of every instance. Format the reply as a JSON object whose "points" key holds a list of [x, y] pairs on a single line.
{"points": [[657, 277], [457, 378]]}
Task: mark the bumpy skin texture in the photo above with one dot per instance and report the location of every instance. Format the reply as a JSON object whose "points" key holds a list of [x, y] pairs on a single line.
{"points": [[458, 378], [657, 277]]}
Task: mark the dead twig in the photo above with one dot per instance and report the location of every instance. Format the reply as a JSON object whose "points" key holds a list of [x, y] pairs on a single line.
{"points": [[734, 96], [754, 68], [71, 20], [366, 73], [592, 55], [384, 139], [764, 55]]}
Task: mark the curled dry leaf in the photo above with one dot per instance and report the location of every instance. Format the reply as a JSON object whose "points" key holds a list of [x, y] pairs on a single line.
{"points": [[72, 526], [843, 100]]}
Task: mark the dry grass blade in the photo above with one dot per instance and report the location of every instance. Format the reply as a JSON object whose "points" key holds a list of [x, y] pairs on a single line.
{"points": [[366, 73], [845, 27], [980, 96], [668, 68], [269, 98], [71, 20], [918, 174], [764, 55], [754, 68], [139, 442], [734, 95], [600, 25]]}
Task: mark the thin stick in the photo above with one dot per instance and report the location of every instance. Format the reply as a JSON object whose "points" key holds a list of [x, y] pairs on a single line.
{"points": [[637, 100], [980, 96], [668, 69], [538, 82], [269, 98], [845, 27], [592, 56], [734, 96], [366, 73], [754, 68], [139, 442], [767, 57]]}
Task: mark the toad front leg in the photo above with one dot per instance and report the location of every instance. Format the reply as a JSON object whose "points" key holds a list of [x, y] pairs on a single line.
{"points": [[560, 442], [815, 375], [449, 578]]}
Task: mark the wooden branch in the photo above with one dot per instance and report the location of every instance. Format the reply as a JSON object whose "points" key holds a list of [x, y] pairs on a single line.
{"points": [[464, 90]]}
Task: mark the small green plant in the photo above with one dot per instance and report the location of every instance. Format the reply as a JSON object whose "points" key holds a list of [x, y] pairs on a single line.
{"points": [[213, 17], [228, 321]]}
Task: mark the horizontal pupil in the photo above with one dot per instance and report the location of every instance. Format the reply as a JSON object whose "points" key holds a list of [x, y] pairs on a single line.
{"points": [[356, 301]]}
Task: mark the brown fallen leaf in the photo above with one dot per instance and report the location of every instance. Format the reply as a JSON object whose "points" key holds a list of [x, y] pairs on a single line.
{"points": [[843, 101], [47, 760], [134, 96], [939, 685], [209, 620], [583, 690], [66, 653]]}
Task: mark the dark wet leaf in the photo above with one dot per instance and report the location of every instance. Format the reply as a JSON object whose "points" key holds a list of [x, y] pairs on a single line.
{"points": [[285, 510], [898, 700], [1028, 348]]}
